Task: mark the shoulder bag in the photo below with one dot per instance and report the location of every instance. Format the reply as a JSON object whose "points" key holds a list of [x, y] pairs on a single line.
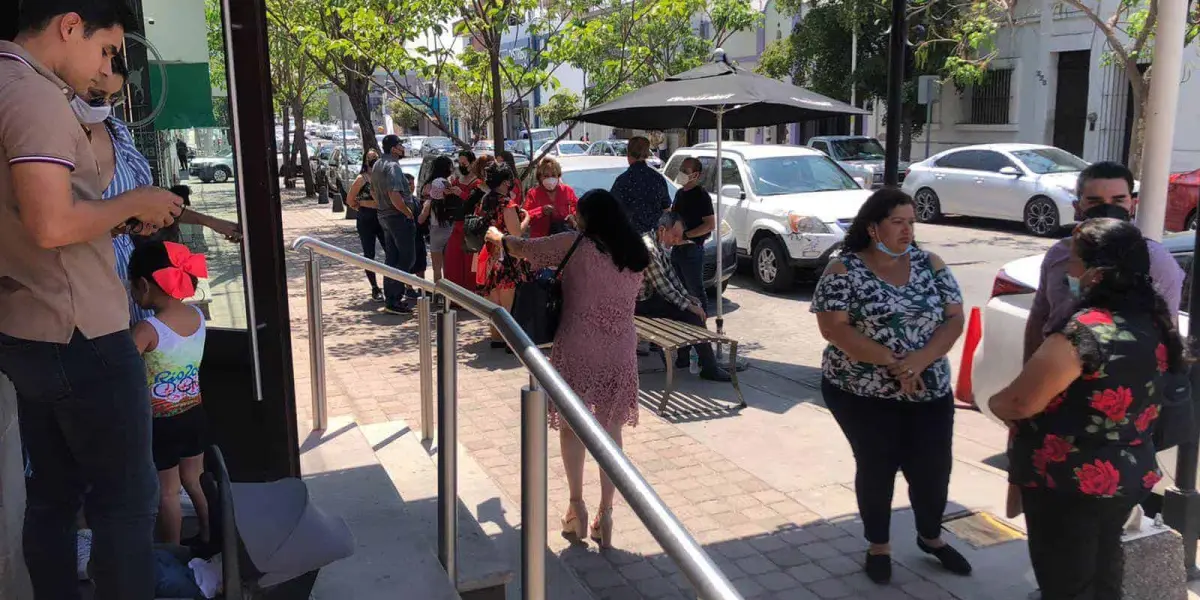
{"points": [[537, 303]]}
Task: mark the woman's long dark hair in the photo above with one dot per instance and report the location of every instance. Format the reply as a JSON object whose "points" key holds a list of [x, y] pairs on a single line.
{"points": [[442, 167], [873, 212], [607, 225], [368, 162], [1118, 249]]}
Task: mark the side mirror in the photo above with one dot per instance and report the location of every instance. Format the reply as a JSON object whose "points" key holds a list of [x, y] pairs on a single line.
{"points": [[733, 191], [1010, 171], [861, 181]]}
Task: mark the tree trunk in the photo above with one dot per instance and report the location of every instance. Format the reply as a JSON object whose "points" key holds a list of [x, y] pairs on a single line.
{"points": [[358, 92], [289, 178], [1137, 137], [305, 169], [906, 132], [497, 92]]}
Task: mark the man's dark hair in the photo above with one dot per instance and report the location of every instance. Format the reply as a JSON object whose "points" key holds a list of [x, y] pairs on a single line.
{"points": [[692, 163], [467, 154], [35, 15], [390, 142], [1103, 170]]}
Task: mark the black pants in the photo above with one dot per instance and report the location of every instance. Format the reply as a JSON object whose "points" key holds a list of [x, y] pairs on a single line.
{"points": [[369, 232], [688, 260], [894, 435], [656, 307], [1075, 544], [399, 251], [84, 414]]}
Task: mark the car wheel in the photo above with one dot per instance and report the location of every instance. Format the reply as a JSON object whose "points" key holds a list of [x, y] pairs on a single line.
{"points": [[1041, 217], [928, 205], [1191, 222], [203, 180], [771, 268], [221, 174]]}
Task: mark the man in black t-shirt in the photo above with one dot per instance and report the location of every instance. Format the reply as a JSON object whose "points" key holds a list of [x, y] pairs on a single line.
{"points": [[695, 206]]}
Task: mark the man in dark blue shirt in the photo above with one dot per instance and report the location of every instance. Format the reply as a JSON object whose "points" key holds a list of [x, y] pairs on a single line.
{"points": [[642, 190]]}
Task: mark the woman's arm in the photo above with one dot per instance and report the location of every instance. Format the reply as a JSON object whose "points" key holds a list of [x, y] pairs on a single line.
{"points": [[1048, 373], [145, 337], [540, 252], [228, 229], [352, 195], [512, 221]]}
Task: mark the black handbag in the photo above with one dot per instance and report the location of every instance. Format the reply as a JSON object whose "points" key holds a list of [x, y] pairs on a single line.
{"points": [[537, 303], [1177, 420]]}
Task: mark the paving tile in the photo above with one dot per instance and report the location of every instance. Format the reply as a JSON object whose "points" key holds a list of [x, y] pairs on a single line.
{"points": [[755, 565], [926, 590], [809, 573], [776, 581], [840, 565], [819, 550], [830, 588], [798, 593], [788, 557], [748, 587], [638, 571], [656, 587]]}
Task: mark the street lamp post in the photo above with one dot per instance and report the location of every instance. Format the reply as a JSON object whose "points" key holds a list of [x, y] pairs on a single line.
{"points": [[897, 48]]}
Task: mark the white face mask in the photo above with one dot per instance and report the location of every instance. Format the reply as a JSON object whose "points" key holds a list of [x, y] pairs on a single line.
{"points": [[683, 179], [550, 183], [88, 114]]}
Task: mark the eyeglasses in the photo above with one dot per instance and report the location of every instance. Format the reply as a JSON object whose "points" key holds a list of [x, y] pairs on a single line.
{"points": [[113, 100]]}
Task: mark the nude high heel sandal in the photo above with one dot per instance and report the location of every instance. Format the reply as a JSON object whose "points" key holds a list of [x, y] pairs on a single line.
{"points": [[575, 521], [603, 527]]}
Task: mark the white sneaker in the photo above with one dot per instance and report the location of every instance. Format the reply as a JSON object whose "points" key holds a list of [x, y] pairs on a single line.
{"points": [[83, 553]]}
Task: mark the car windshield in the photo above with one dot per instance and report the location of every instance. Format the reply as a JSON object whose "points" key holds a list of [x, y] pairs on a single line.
{"points": [[572, 149], [1050, 160], [583, 181], [857, 149], [797, 175]]}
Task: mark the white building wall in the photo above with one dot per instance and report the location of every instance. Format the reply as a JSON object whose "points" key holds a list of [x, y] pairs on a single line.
{"points": [[176, 29]]}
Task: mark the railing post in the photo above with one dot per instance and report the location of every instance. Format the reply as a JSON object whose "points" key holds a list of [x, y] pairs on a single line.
{"points": [[533, 491], [447, 357], [316, 340], [425, 335]]}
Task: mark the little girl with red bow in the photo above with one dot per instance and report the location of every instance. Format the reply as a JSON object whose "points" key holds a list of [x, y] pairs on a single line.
{"points": [[162, 275]]}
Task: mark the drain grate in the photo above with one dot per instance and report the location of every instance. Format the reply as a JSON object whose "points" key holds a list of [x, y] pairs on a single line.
{"points": [[981, 529]]}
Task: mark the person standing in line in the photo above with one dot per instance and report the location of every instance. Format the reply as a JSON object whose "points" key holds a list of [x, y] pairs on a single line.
{"points": [[641, 190], [393, 197], [434, 211], [695, 207], [498, 272], [82, 398], [1105, 189], [181, 150], [421, 252], [594, 347], [457, 263], [890, 313], [1083, 413], [551, 205], [366, 222]]}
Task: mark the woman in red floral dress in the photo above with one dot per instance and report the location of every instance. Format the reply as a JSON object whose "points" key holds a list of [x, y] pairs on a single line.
{"points": [[1083, 412], [498, 274]]}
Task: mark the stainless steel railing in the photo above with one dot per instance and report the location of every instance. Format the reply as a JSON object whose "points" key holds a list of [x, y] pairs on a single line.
{"points": [[544, 380]]}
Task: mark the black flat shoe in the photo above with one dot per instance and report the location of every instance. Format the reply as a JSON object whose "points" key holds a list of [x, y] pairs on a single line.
{"points": [[949, 557], [715, 374], [498, 345], [879, 568]]}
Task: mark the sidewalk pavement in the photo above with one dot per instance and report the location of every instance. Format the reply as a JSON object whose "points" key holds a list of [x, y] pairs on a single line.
{"points": [[767, 490]]}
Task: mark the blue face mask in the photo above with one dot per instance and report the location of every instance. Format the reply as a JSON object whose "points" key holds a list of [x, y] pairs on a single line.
{"points": [[884, 249], [1073, 284]]}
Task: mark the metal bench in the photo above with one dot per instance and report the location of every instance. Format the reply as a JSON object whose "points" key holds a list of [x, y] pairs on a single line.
{"points": [[672, 336]]}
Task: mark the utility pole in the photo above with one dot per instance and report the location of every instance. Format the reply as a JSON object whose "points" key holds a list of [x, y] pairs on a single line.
{"points": [[853, 70], [1181, 503], [897, 47]]}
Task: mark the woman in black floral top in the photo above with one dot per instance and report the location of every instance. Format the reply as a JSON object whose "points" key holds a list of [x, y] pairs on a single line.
{"points": [[891, 312], [1082, 413]]}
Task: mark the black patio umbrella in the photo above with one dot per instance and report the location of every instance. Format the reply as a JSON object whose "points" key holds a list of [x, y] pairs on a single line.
{"points": [[716, 95]]}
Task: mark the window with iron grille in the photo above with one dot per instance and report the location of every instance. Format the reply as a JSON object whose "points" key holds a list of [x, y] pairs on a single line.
{"points": [[988, 102]]}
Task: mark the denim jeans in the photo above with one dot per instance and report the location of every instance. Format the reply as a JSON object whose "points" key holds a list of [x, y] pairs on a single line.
{"points": [[84, 415], [369, 231], [689, 265], [399, 251]]}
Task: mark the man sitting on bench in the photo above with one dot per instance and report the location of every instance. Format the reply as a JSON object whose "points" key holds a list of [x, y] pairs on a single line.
{"points": [[663, 294]]}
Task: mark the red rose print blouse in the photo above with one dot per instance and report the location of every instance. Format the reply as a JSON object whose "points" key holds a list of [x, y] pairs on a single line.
{"points": [[1095, 438]]}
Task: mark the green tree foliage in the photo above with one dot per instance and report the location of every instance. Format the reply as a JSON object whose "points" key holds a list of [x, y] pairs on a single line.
{"points": [[561, 106], [404, 115]]}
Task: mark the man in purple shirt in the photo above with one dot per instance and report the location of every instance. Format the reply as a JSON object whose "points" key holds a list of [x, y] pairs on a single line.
{"points": [[1105, 189]]}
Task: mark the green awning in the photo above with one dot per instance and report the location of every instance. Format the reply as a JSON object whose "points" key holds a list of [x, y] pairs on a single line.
{"points": [[189, 96]]}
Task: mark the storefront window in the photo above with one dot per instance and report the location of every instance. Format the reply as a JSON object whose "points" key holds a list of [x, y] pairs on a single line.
{"points": [[178, 112]]}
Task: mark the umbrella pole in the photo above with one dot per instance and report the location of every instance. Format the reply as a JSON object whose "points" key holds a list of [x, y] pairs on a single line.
{"points": [[720, 250]]}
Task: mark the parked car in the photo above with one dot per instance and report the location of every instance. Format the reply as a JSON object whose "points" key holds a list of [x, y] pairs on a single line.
{"points": [[619, 148], [211, 169], [410, 166], [1000, 355], [1183, 193], [1028, 183], [859, 155], [585, 173], [412, 144], [435, 146], [538, 136], [789, 206], [312, 151], [342, 168], [563, 148]]}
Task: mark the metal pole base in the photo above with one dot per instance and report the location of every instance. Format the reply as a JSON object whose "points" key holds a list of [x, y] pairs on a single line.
{"points": [[1181, 510]]}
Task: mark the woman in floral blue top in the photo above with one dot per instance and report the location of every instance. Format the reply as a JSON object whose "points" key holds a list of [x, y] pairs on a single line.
{"points": [[891, 312], [1082, 414]]}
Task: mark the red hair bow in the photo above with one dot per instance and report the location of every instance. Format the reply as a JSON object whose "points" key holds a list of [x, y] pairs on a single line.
{"points": [[176, 280]]}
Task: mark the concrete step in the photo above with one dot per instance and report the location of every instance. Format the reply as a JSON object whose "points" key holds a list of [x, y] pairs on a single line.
{"points": [[392, 559], [489, 540]]}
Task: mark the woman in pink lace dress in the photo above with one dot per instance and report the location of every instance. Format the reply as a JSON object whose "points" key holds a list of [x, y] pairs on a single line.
{"points": [[595, 349]]}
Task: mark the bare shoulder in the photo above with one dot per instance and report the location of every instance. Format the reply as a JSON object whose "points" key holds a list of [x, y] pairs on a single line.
{"points": [[835, 267], [936, 261]]}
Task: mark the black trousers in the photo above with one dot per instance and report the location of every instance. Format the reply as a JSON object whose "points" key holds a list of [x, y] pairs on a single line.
{"points": [[369, 232], [894, 435], [656, 307], [1075, 544]]}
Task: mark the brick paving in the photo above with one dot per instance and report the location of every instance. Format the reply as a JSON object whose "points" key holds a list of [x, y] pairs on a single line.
{"points": [[768, 543]]}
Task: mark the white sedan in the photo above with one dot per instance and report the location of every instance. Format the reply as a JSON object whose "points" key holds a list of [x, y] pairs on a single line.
{"points": [[1029, 183], [1000, 355]]}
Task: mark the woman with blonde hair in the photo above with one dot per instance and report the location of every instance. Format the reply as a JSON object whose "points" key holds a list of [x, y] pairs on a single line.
{"points": [[550, 205]]}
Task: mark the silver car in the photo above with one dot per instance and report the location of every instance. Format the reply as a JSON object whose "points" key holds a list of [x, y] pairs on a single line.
{"points": [[1028, 183], [860, 156]]}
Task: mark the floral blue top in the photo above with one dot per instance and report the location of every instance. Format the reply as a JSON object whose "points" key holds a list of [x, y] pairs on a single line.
{"points": [[132, 171], [902, 318]]}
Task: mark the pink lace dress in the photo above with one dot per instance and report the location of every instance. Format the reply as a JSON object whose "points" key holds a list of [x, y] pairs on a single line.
{"points": [[596, 346]]}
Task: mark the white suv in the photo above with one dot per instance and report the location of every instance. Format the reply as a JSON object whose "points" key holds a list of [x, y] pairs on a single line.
{"points": [[789, 206]]}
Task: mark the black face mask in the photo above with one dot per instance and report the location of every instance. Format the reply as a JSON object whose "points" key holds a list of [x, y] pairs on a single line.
{"points": [[462, 169], [1107, 211]]}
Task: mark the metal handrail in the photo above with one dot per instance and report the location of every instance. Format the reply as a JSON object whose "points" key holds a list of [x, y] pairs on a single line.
{"points": [[676, 541]]}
